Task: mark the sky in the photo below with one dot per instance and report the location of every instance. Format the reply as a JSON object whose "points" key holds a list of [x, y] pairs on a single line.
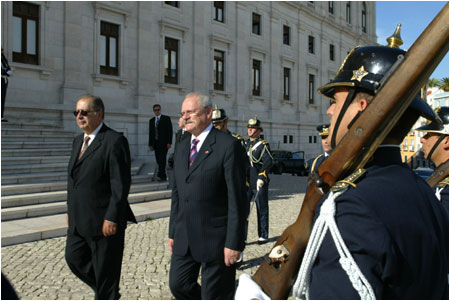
{"points": [[414, 17]]}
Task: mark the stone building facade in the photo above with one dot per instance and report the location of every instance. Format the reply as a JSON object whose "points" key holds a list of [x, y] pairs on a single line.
{"points": [[252, 58]]}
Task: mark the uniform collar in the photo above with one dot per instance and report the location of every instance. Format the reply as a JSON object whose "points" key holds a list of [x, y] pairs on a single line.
{"points": [[385, 154]]}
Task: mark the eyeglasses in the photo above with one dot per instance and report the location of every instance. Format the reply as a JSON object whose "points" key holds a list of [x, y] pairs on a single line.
{"points": [[156, 110], [82, 112]]}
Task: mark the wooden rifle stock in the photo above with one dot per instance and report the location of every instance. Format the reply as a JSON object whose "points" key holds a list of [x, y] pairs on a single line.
{"points": [[438, 175], [276, 276]]}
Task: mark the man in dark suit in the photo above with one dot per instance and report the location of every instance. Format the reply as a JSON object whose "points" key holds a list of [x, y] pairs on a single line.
{"points": [[97, 191], [160, 139], [208, 210]]}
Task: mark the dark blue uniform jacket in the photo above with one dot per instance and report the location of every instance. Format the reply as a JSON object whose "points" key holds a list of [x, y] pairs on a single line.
{"points": [[397, 232]]}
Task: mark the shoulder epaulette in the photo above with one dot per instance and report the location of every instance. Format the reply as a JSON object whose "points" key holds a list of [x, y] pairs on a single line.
{"points": [[264, 142], [237, 136], [348, 181]]}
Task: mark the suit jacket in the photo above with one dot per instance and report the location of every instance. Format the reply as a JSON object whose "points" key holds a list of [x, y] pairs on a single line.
{"points": [[164, 131], [98, 183], [208, 209]]}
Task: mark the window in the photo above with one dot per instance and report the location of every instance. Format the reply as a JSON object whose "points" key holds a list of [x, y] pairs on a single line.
{"points": [[405, 145], [364, 17], [218, 10], [170, 61], [331, 52], [285, 139], [219, 69], [311, 44], [109, 48], [256, 78], [331, 7], [286, 35], [348, 15], [172, 3], [291, 139], [311, 89], [286, 81], [25, 26], [256, 24], [310, 139]]}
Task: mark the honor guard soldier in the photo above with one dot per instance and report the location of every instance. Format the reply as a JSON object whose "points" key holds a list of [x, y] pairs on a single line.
{"points": [[380, 233], [220, 122], [435, 147], [314, 163], [260, 162]]}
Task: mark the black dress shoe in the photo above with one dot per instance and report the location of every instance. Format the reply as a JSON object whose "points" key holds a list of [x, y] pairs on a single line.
{"points": [[262, 240]]}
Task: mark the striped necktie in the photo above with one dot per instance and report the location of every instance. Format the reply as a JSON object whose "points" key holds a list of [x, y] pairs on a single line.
{"points": [[193, 152]]}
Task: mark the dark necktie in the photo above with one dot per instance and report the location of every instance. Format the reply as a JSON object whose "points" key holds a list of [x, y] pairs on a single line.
{"points": [[156, 128], [85, 146], [193, 152]]}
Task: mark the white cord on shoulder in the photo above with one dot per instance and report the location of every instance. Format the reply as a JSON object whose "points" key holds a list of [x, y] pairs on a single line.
{"points": [[326, 222]]}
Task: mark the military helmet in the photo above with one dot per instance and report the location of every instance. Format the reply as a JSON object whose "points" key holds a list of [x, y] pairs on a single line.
{"points": [[435, 127], [323, 130], [218, 115], [254, 123]]}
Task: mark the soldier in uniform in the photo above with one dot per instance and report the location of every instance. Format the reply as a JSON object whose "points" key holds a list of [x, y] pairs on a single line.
{"points": [[435, 147], [381, 234], [314, 163], [260, 162], [220, 122]]}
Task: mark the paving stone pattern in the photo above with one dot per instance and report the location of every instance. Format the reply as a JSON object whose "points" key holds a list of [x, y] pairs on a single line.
{"points": [[38, 270]]}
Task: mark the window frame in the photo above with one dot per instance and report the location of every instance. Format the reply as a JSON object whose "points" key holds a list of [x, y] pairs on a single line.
{"points": [[108, 69], [175, 4], [332, 52], [257, 24], [331, 7], [364, 18], [23, 56], [168, 79], [216, 9], [286, 81], [311, 84], [217, 60], [286, 35], [348, 12], [311, 42], [256, 80]]}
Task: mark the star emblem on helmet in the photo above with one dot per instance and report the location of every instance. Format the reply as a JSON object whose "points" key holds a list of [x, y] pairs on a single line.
{"points": [[359, 74]]}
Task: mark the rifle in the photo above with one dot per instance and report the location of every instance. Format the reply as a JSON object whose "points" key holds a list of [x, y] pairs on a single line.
{"points": [[276, 274], [438, 175]]}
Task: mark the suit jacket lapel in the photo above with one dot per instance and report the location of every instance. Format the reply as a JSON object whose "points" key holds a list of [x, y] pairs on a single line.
{"points": [[204, 151], [75, 151]]}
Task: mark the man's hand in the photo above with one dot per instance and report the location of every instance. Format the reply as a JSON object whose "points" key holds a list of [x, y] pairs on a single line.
{"points": [[170, 243], [169, 145], [150, 148], [259, 184], [109, 228], [231, 256]]}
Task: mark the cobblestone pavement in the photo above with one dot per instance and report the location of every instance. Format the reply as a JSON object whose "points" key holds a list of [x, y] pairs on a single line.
{"points": [[38, 270]]}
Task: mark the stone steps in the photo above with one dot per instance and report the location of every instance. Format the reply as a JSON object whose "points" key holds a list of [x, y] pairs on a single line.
{"points": [[36, 152], [35, 131], [43, 227], [60, 206], [35, 145], [41, 197], [11, 160], [37, 138]]}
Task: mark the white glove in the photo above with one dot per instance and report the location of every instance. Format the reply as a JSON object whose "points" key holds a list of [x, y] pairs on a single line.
{"points": [[248, 289], [259, 184]]}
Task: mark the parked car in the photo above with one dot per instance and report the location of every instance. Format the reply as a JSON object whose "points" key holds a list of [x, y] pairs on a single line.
{"points": [[424, 172], [288, 162]]}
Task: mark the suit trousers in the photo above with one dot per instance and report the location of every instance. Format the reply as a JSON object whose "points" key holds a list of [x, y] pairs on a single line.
{"points": [[262, 210], [218, 280], [97, 261], [4, 87], [161, 158]]}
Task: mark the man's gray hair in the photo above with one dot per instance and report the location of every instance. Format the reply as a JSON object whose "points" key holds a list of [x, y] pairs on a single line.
{"points": [[202, 99]]}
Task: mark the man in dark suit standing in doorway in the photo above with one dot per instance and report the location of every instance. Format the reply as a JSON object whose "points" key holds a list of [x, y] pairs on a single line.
{"points": [[208, 211], [160, 139], [97, 200]]}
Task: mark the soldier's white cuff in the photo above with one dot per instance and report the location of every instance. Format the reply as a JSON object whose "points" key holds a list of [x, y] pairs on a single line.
{"points": [[249, 289]]}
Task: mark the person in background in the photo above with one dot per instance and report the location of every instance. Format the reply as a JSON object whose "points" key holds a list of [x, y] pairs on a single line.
{"points": [[258, 151], [97, 200], [6, 72], [314, 163], [160, 140], [435, 147]]}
